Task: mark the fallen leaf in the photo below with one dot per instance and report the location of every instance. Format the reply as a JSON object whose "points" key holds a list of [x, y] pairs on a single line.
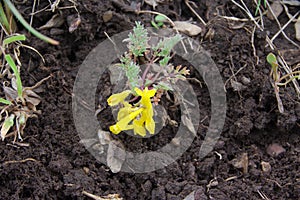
{"points": [[104, 137], [74, 24], [56, 21], [189, 124], [115, 156], [187, 28], [7, 124]]}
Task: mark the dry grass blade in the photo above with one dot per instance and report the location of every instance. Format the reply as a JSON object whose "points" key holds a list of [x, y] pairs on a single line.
{"points": [[195, 13]]}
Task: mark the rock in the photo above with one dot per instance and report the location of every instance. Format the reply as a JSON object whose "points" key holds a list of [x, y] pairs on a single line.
{"points": [[265, 166], [277, 9], [107, 16], [275, 150]]}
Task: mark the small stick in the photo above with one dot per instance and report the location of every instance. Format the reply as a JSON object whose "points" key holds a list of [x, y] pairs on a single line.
{"points": [[195, 13]]}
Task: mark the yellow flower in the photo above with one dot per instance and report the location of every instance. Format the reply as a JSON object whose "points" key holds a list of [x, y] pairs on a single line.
{"points": [[147, 114], [122, 125], [115, 99]]}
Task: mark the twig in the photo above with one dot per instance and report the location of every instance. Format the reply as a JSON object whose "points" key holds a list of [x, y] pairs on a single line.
{"points": [[20, 161], [282, 28], [195, 13], [246, 10], [253, 45], [279, 25]]}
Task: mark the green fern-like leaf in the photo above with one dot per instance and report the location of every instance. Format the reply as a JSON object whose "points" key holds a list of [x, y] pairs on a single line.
{"points": [[138, 40]]}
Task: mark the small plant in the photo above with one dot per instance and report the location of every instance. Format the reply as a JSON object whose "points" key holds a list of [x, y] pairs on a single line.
{"points": [[279, 80], [19, 102], [159, 21], [145, 86]]}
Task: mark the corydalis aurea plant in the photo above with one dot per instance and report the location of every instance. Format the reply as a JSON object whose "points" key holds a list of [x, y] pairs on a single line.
{"points": [[146, 84]]}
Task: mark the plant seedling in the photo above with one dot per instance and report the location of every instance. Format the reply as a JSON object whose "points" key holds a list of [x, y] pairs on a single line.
{"points": [[158, 21], [277, 78]]}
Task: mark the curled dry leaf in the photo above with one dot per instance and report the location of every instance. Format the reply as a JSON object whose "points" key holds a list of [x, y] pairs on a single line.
{"points": [[115, 156], [187, 28], [188, 123], [74, 24]]}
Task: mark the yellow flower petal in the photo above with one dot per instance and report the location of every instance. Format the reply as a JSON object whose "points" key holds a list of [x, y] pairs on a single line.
{"points": [[150, 125], [115, 99], [126, 110], [138, 128], [122, 125]]}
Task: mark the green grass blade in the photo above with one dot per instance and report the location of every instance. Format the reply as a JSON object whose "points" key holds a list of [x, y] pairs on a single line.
{"points": [[14, 38], [13, 66], [27, 26], [3, 18], [4, 101]]}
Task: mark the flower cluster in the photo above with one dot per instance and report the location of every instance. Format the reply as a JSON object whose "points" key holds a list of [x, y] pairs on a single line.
{"points": [[138, 117]]}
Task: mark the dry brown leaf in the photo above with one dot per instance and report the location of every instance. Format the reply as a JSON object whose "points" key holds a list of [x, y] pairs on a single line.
{"points": [[115, 156], [189, 124], [187, 28], [56, 21]]}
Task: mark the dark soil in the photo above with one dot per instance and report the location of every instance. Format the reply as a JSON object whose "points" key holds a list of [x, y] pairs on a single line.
{"points": [[61, 167]]}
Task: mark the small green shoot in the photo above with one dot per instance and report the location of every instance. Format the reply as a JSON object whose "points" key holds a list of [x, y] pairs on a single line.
{"points": [[159, 21], [13, 66], [14, 38], [258, 5], [4, 101], [271, 59]]}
